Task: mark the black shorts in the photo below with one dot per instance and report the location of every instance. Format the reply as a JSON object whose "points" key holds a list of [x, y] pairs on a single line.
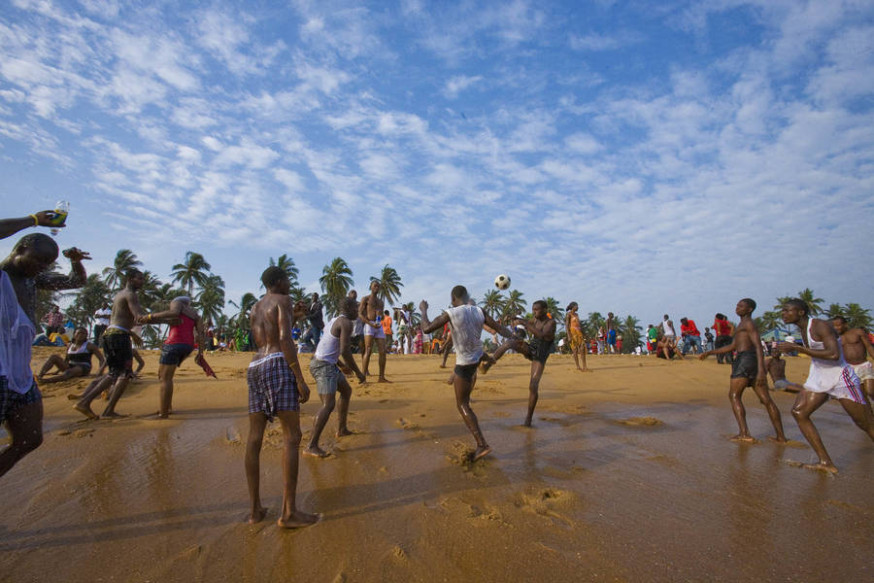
{"points": [[175, 353], [745, 365], [538, 350], [119, 354], [466, 371]]}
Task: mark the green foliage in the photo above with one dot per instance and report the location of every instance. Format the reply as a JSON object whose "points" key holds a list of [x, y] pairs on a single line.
{"points": [[389, 284], [336, 281], [90, 298], [194, 270], [125, 259]]}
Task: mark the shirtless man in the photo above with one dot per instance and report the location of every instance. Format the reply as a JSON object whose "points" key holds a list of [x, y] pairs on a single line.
{"points": [[829, 376], [276, 389], [370, 314], [777, 369], [748, 369], [126, 310], [542, 329], [26, 270], [76, 362], [466, 322], [335, 343], [857, 349], [186, 329]]}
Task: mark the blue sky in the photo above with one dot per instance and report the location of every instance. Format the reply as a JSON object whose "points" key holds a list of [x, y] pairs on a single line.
{"points": [[636, 157]]}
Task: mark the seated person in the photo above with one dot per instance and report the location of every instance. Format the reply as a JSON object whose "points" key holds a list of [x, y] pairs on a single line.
{"points": [[76, 363], [776, 367]]}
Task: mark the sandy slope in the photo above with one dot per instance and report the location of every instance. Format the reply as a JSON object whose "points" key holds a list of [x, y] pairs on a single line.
{"points": [[627, 476]]}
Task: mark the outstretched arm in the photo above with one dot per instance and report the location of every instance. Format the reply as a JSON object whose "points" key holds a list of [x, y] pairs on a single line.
{"points": [[170, 316], [9, 227], [496, 327], [92, 348], [825, 334], [427, 325], [723, 350]]}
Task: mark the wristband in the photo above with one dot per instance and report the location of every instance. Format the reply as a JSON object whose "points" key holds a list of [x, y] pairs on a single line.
{"points": [[35, 220]]}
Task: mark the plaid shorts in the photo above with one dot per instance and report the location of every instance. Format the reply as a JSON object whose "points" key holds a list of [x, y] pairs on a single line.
{"points": [[272, 386], [11, 400], [326, 374]]}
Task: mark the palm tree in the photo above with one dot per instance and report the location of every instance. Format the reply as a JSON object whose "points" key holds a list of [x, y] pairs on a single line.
{"points": [[241, 318], [493, 303], [335, 281], [211, 299], [630, 329], [781, 301], [857, 316], [769, 321], [415, 318], [595, 321], [514, 306], [553, 307], [811, 300], [389, 284], [193, 270], [125, 260], [90, 298], [286, 263], [153, 291], [834, 310]]}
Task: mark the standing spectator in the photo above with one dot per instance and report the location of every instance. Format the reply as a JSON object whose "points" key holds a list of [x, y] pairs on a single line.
{"points": [[708, 339], [101, 321], [54, 321], [386, 327], [724, 331], [317, 323], [691, 335]]}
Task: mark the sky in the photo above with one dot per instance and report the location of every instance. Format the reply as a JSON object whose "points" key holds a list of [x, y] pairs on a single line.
{"points": [[636, 157]]}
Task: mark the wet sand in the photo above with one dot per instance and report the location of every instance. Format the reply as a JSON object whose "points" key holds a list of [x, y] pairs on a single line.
{"points": [[627, 475]]}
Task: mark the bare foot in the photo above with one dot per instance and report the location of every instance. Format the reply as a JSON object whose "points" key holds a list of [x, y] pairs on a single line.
{"points": [[113, 415], [299, 520], [743, 439], [74, 396], [86, 411], [442, 366], [526, 423], [257, 515], [821, 467], [343, 432], [480, 453], [314, 451], [383, 380], [780, 440], [486, 362], [585, 370], [451, 379]]}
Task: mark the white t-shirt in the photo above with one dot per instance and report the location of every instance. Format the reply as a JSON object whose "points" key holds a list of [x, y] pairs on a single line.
{"points": [[467, 327]]}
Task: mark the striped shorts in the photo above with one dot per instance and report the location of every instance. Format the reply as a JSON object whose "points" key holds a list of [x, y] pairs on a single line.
{"points": [[272, 386], [10, 400]]}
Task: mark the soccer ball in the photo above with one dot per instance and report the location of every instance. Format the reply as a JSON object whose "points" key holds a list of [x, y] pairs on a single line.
{"points": [[502, 281]]}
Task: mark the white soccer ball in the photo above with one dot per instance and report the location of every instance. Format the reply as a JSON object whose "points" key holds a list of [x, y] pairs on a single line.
{"points": [[502, 281]]}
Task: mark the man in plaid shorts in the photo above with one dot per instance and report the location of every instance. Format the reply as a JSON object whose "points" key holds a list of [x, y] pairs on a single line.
{"points": [[276, 387]]}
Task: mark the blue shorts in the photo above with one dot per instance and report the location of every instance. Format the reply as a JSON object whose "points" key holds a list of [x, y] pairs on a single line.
{"points": [[272, 386], [10, 400], [175, 353], [327, 376], [611, 337]]}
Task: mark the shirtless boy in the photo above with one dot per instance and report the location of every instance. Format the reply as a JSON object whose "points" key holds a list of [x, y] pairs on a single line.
{"points": [[75, 363], [276, 389], [117, 345], [466, 322], [335, 343], [370, 314], [829, 376], [748, 369], [542, 329], [857, 349]]}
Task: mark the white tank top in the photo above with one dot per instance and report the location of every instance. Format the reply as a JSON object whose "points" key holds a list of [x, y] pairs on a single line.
{"points": [[825, 375], [467, 327], [669, 331], [328, 349]]}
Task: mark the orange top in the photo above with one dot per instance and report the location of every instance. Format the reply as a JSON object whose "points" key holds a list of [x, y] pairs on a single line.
{"points": [[386, 324]]}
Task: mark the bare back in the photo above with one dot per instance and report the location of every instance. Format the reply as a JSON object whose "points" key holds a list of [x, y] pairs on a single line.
{"points": [[271, 322]]}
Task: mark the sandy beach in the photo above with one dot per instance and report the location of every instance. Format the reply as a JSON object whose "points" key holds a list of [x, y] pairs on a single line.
{"points": [[627, 475]]}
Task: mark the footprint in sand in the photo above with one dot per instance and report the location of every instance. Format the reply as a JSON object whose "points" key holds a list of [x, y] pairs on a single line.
{"points": [[548, 502], [640, 421], [407, 425]]}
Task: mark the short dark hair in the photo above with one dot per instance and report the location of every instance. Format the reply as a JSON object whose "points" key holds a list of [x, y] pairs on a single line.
{"points": [[750, 302], [540, 303], [132, 272], [39, 241], [799, 304], [571, 306], [459, 292], [684, 320], [841, 318], [273, 275], [348, 304], [720, 316]]}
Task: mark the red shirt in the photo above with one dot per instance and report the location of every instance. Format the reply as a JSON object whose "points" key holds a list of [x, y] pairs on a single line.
{"points": [[689, 329], [722, 327], [183, 333]]}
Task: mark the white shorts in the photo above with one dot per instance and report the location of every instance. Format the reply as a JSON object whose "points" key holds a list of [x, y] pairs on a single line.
{"points": [[377, 332], [836, 382], [864, 370]]}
